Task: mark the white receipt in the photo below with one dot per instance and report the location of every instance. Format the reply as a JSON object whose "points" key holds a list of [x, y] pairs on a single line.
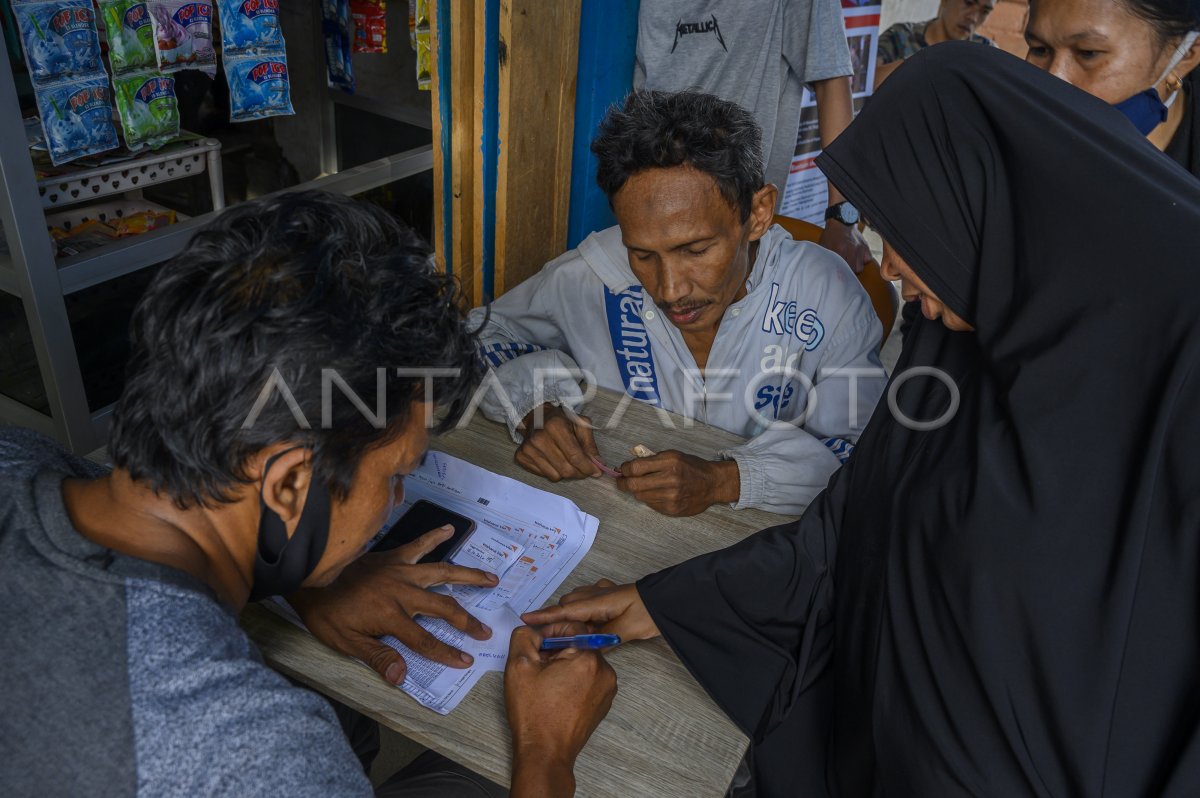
{"points": [[528, 537]]}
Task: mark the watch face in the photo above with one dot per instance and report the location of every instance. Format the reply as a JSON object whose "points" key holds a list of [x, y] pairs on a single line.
{"points": [[848, 214]]}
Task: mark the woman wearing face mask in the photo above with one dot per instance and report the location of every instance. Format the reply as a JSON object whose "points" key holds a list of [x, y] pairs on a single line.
{"points": [[999, 590], [1137, 55]]}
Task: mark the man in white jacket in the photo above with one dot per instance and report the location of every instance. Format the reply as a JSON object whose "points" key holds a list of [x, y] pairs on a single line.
{"points": [[694, 303]]}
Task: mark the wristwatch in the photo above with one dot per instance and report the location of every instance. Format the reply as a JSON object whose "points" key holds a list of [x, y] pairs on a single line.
{"points": [[842, 212]]}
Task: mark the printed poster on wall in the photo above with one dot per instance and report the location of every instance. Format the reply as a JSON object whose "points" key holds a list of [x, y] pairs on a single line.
{"points": [[807, 195]]}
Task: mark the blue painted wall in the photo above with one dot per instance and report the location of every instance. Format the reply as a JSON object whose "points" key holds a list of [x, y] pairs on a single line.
{"points": [[489, 143], [444, 117], [607, 48]]}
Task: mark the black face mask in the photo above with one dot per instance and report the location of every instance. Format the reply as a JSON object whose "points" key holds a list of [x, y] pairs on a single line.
{"points": [[282, 564]]}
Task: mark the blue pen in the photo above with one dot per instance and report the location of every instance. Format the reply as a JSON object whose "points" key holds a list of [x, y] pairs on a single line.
{"points": [[580, 641]]}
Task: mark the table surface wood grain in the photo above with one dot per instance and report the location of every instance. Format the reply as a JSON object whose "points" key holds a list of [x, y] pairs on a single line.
{"points": [[664, 735]]}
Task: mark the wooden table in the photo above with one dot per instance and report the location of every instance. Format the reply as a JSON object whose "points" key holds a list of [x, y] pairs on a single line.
{"points": [[664, 736]]}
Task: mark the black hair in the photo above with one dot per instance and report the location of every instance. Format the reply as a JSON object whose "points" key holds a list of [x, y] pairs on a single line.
{"points": [[1171, 19], [658, 129], [303, 289]]}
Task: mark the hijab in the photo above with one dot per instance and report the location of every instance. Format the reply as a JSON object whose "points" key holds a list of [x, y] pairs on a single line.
{"points": [[1047, 538], [1006, 603]]}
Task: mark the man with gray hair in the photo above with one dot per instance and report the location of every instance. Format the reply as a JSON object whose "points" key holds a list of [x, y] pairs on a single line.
{"points": [[694, 303]]}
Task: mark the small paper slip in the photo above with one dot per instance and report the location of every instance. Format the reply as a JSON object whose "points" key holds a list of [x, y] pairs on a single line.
{"points": [[528, 537], [488, 551]]}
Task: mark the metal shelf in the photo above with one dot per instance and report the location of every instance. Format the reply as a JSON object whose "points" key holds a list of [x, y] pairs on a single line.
{"points": [[104, 211], [31, 271], [137, 252], [173, 162]]}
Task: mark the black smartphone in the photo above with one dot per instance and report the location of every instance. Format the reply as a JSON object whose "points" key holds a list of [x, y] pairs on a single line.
{"points": [[425, 516]]}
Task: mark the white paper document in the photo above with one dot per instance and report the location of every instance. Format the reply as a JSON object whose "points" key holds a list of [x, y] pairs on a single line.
{"points": [[532, 539]]}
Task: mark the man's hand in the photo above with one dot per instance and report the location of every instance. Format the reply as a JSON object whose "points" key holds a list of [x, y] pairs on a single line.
{"points": [[380, 594], [846, 241], [606, 607], [678, 484], [555, 700], [561, 448]]}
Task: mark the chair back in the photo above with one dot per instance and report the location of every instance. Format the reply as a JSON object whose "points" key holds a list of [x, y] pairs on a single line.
{"points": [[883, 297]]}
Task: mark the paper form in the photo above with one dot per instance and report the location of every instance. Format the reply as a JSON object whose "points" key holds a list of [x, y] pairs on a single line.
{"points": [[530, 538]]}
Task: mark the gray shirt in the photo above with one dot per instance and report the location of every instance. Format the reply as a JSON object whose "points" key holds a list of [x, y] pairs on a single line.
{"points": [[756, 53], [125, 677]]}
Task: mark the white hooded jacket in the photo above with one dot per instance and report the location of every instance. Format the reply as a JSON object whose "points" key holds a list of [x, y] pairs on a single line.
{"points": [[794, 366]]}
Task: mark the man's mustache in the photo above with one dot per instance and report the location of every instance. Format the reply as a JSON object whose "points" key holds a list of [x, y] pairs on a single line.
{"points": [[682, 307]]}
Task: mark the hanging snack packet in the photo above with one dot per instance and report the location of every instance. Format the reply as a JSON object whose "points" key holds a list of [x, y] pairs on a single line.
{"points": [[148, 108], [183, 35], [258, 87], [337, 27], [424, 62], [77, 118], [130, 34], [60, 39], [370, 25], [250, 26]]}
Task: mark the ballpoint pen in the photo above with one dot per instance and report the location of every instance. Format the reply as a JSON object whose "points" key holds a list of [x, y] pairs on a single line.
{"points": [[589, 642]]}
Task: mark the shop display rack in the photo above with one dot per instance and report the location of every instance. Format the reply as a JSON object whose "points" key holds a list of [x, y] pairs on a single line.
{"points": [[35, 284]]}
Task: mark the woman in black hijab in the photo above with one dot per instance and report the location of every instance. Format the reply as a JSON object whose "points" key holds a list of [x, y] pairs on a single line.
{"points": [[1008, 602]]}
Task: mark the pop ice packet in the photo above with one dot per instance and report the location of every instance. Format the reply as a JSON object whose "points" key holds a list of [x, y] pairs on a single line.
{"points": [[258, 87], [60, 39], [77, 118], [250, 26], [148, 108], [183, 35], [130, 34], [337, 27]]}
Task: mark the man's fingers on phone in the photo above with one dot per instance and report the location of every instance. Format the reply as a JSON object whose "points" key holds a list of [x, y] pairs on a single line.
{"points": [[414, 551], [444, 573], [383, 659]]}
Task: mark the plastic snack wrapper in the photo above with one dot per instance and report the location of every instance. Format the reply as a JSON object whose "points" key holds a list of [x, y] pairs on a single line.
{"points": [[424, 61], [130, 35], [81, 238], [250, 26], [183, 35], [77, 118], [148, 109], [60, 39], [258, 87], [337, 28], [370, 25], [134, 224], [94, 233]]}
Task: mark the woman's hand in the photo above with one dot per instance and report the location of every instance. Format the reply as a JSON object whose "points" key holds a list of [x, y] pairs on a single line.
{"points": [[606, 607]]}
